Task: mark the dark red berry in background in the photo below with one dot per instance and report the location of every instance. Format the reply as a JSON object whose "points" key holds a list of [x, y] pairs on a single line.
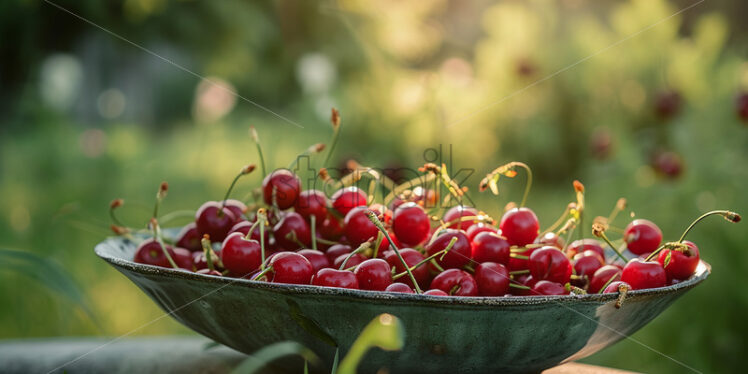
{"points": [[316, 258], [436, 293], [490, 247], [603, 276], [681, 265], [292, 223], [492, 279], [188, 238], [668, 104], [374, 274], [478, 228], [455, 213], [399, 287], [345, 199], [519, 226], [355, 260], [292, 268], [548, 288], [601, 143], [582, 245], [312, 203], [237, 207], [335, 278], [668, 164], [183, 258], [240, 256], [741, 106], [330, 229], [336, 250], [455, 282], [613, 287], [411, 257], [642, 236], [286, 185], [642, 274], [411, 224], [212, 220], [357, 226], [460, 253], [549, 263], [550, 238], [244, 226]]}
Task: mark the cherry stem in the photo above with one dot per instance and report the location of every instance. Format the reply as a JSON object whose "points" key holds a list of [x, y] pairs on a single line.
{"points": [[558, 222], [364, 246], [160, 195], [335, 131], [205, 241], [610, 280], [245, 170], [328, 242], [427, 259], [519, 286], [168, 217], [377, 243], [261, 217], [160, 241], [730, 216], [436, 265], [620, 206], [313, 220], [262, 273], [251, 229], [519, 272], [373, 218], [415, 182], [256, 139], [116, 203], [528, 184], [615, 249], [521, 257]]}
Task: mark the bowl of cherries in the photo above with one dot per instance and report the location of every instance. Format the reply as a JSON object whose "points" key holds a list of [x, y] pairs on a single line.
{"points": [[474, 294]]}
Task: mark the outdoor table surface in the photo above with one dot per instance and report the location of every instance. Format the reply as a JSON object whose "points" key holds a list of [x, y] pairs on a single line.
{"points": [[169, 354]]}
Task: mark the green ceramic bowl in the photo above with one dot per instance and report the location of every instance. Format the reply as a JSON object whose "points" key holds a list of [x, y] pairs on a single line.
{"points": [[443, 334]]}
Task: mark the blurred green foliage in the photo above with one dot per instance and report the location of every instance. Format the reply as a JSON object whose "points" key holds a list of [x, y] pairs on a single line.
{"points": [[571, 87]]}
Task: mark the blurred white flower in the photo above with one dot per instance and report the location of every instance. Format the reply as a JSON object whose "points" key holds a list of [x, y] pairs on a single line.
{"points": [[60, 80], [214, 98], [316, 73]]}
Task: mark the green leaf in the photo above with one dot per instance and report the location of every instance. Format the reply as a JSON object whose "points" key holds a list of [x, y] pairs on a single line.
{"points": [[309, 325], [335, 361], [272, 352], [385, 332], [49, 274]]}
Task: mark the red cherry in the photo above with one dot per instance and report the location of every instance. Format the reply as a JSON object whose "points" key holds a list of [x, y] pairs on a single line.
{"points": [[201, 262], [741, 106], [520, 226], [330, 228], [374, 274], [355, 260], [586, 264], [335, 278], [316, 258], [525, 280], [292, 223], [244, 226], [478, 228], [460, 253], [492, 279], [286, 185], [548, 288], [358, 228], [150, 252], [345, 199], [457, 212], [455, 282], [682, 264], [604, 275], [601, 143], [550, 238], [516, 263], [207, 271], [436, 293], [667, 104], [613, 287], [292, 268], [411, 224], [668, 164], [188, 238], [312, 203], [183, 258], [549, 263], [237, 207], [336, 250], [239, 255], [579, 246], [399, 287], [642, 274], [411, 257], [212, 220], [642, 236], [490, 247]]}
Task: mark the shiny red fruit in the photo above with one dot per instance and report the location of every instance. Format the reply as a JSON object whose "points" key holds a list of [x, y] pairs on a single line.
{"points": [[244, 227], [286, 185], [357, 226], [516, 263], [150, 252], [455, 282], [549, 263], [411, 224], [550, 238], [642, 236], [237, 207], [455, 213], [335, 278], [292, 224], [399, 287], [579, 246], [460, 253], [345, 199], [668, 164], [681, 264], [355, 260], [613, 287], [436, 293], [201, 262], [312, 203], [336, 250], [604, 276], [330, 229], [492, 279], [519, 226], [292, 268], [548, 288], [240, 256], [188, 238], [212, 220], [374, 274], [411, 257], [644, 274], [316, 258], [490, 247], [586, 264], [478, 228]]}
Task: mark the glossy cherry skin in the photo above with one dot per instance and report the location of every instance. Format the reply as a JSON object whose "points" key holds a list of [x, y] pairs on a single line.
{"points": [[240, 256], [330, 229], [312, 203], [335, 278], [585, 266], [490, 247], [436, 293], [399, 287], [460, 253], [457, 212], [613, 287], [374, 274], [316, 258], [355, 260], [549, 263], [548, 288], [492, 279], [357, 226], [237, 207], [411, 224], [579, 246], [642, 274], [189, 238], [292, 222], [455, 282], [345, 199], [525, 280], [287, 188], [411, 257], [550, 238], [212, 220], [603, 276], [682, 264], [478, 228], [149, 252], [244, 226], [201, 262], [292, 268], [516, 263], [519, 226], [336, 250], [642, 236]]}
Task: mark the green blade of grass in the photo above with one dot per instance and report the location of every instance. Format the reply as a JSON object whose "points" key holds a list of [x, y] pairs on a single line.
{"points": [[272, 352]]}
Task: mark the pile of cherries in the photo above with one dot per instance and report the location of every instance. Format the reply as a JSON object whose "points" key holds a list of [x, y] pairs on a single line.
{"points": [[297, 236]]}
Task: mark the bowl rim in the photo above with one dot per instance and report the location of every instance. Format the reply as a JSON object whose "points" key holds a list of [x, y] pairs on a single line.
{"points": [[702, 272]]}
